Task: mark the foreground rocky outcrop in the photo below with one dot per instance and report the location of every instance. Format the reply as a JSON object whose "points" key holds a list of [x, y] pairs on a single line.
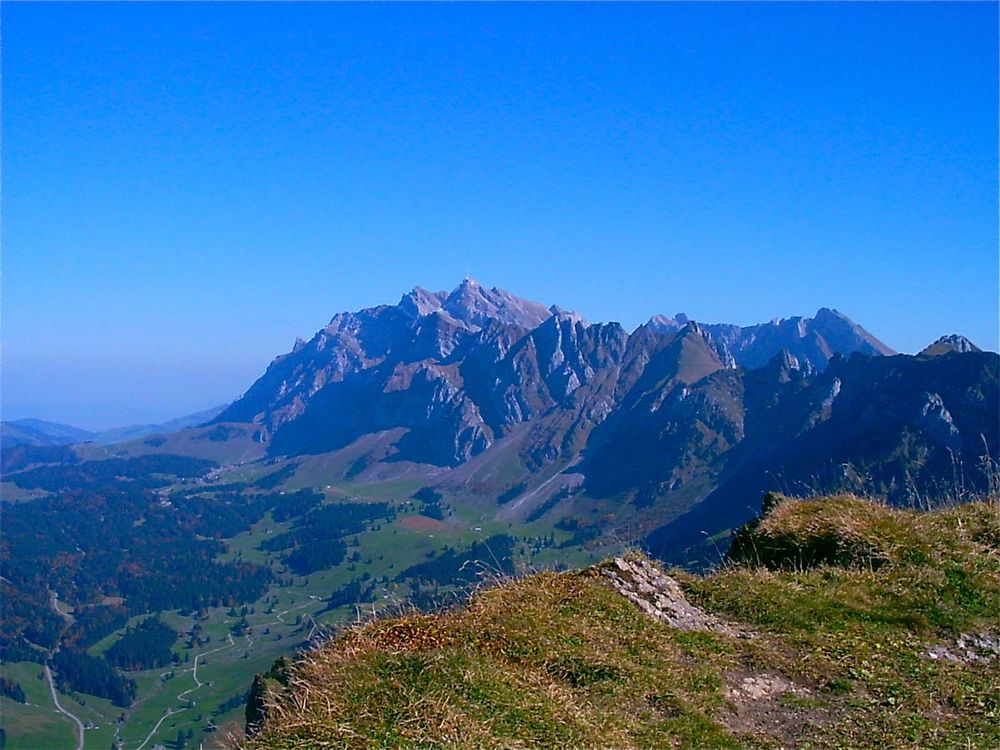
{"points": [[660, 596]]}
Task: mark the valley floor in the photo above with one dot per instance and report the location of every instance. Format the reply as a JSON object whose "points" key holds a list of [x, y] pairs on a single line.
{"points": [[202, 698]]}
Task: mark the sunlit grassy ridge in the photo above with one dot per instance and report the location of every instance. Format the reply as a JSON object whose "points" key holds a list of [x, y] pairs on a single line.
{"points": [[839, 602]]}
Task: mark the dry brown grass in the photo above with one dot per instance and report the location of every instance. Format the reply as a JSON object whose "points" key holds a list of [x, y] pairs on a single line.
{"points": [[554, 660], [845, 530]]}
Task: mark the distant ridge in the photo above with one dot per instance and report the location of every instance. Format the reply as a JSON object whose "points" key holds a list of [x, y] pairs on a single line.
{"points": [[813, 341], [135, 431], [39, 433]]}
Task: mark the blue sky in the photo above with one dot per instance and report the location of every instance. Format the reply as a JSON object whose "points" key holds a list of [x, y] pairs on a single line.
{"points": [[188, 187]]}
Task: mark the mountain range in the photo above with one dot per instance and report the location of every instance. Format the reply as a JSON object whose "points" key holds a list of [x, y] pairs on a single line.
{"points": [[461, 370], [487, 396], [665, 435], [404, 447]]}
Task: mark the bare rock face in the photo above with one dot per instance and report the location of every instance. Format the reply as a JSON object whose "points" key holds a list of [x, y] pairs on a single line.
{"points": [[934, 419], [458, 370], [396, 366], [508, 360], [473, 306], [659, 595], [476, 306], [811, 341]]}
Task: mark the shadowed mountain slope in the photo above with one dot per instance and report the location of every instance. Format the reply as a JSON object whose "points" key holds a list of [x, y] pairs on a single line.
{"points": [[902, 427]]}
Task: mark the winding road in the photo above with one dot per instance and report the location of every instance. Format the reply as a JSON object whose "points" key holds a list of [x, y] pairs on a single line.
{"points": [[194, 668], [182, 696], [54, 601], [60, 709]]}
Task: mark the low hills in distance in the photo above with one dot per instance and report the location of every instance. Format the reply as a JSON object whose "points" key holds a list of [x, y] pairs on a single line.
{"points": [[406, 448], [39, 433]]}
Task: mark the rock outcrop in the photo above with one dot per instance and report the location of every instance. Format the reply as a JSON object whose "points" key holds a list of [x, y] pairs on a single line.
{"points": [[639, 580]]}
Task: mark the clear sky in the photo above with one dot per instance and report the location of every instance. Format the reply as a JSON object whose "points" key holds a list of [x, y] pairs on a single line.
{"points": [[188, 187]]}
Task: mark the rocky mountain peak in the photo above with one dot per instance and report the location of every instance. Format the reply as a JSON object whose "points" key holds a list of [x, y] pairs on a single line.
{"points": [[420, 301], [663, 324], [842, 334], [691, 328], [475, 305], [783, 367], [693, 353], [571, 315], [829, 313], [812, 341], [949, 344]]}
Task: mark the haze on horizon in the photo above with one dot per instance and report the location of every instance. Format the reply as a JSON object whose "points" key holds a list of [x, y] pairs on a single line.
{"points": [[188, 187]]}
